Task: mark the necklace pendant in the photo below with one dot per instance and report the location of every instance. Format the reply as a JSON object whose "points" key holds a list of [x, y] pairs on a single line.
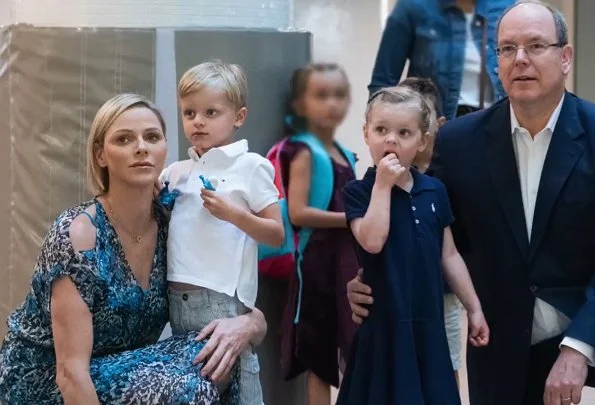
{"points": [[139, 239]]}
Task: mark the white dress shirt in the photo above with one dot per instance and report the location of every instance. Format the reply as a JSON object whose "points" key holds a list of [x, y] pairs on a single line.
{"points": [[469, 94], [530, 155]]}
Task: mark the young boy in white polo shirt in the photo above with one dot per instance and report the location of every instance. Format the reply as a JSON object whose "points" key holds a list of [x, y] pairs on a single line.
{"points": [[227, 204]]}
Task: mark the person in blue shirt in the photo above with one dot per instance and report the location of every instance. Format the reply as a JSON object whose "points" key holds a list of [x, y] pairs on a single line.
{"points": [[401, 220], [451, 42]]}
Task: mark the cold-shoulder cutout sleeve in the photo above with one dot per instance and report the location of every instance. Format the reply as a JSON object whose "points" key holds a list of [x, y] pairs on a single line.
{"points": [[59, 258]]}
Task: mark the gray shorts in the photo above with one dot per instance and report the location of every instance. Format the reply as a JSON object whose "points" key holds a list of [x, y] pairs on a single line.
{"points": [[193, 310], [452, 322]]}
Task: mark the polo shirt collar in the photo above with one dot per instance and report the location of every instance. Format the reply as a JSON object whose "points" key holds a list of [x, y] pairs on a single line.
{"points": [[231, 151]]}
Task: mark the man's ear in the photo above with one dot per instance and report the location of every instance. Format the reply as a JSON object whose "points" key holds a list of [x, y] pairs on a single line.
{"points": [[567, 55]]}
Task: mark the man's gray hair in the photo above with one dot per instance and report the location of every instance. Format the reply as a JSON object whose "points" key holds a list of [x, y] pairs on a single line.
{"points": [[559, 19]]}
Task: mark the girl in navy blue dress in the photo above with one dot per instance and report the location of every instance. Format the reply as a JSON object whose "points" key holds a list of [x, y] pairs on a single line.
{"points": [[400, 219]]}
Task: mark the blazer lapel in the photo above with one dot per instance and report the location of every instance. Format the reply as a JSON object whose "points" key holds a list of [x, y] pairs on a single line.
{"points": [[502, 166], [564, 151]]}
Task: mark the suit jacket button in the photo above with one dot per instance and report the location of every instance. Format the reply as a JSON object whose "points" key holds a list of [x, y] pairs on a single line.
{"points": [[533, 288]]}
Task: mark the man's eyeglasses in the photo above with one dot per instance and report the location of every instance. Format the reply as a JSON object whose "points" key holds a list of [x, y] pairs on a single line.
{"points": [[532, 49]]}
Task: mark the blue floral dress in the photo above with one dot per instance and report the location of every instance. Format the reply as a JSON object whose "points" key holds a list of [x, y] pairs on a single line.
{"points": [[128, 365]]}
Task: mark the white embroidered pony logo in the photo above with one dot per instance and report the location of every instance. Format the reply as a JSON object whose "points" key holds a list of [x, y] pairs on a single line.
{"points": [[433, 208]]}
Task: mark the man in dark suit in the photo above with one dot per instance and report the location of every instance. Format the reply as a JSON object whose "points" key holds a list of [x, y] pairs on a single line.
{"points": [[521, 179]]}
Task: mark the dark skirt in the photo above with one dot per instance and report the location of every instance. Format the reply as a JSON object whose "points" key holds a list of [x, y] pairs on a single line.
{"points": [[324, 331]]}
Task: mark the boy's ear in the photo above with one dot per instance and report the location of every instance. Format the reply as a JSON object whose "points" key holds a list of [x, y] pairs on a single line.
{"points": [[241, 117], [441, 121]]}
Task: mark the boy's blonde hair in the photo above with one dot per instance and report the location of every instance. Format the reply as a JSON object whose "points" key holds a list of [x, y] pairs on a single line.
{"points": [[215, 74], [108, 113]]}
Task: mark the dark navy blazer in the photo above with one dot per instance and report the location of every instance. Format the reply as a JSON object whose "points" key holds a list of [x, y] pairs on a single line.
{"points": [[474, 158]]}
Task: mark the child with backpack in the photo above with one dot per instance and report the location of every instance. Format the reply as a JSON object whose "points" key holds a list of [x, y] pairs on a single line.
{"points": [[315, 167]]}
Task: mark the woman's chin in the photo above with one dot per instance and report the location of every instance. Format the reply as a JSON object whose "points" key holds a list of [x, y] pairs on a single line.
{"points": [[142, 182]]}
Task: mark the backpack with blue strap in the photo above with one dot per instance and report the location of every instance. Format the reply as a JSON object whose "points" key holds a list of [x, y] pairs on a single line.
{"points": [[281, 261]]}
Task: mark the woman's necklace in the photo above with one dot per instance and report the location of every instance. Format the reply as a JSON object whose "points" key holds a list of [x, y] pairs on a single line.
{"points": [[138, 238]]}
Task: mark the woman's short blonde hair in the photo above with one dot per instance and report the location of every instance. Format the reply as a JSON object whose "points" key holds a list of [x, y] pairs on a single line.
{"points": [[108, 113], [227, 77]]}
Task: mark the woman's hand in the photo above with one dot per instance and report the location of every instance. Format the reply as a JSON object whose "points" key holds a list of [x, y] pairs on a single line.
{"points": [[228, 339]]}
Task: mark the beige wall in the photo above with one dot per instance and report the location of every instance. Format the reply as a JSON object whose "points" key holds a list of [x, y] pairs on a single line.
{"points": [[347, 32], [568, 8], [154, 13], [584, 78], [6, 14]]}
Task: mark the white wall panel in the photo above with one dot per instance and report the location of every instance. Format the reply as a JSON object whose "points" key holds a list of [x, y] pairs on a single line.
{"points": [[346, 32], [6, 14], [154, 13]]}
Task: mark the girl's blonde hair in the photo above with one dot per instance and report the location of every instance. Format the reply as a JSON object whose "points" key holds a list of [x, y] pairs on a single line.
{"points": [[108, 113], [227, 77], [403, 95]]}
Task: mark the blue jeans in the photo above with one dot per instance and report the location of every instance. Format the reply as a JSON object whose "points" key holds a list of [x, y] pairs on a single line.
{"points": [[193, 310]]}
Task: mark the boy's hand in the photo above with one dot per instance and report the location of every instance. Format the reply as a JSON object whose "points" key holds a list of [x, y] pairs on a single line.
{"points": [[389, 171], [219, 206], [479, 332]]}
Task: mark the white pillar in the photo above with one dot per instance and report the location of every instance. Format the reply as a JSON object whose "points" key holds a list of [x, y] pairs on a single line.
{"points": [[6, 12], [153, 13]]}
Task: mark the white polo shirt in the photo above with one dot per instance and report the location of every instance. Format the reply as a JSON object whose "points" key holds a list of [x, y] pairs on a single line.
{"points": [[203, 250]]}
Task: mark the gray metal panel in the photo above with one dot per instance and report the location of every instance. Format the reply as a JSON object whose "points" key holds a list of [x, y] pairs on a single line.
{"points": [[585, 49], [58, 79], [269, 58], [5, 121]]}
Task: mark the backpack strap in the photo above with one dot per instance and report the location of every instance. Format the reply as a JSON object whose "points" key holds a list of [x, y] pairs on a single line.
{"points": [[275, 156], [322, 177], [265, 251], [349, 155], [321, 191]]}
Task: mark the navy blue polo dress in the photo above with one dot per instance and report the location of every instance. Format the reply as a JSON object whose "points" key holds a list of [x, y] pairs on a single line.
{"points": [[400, 354]]}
